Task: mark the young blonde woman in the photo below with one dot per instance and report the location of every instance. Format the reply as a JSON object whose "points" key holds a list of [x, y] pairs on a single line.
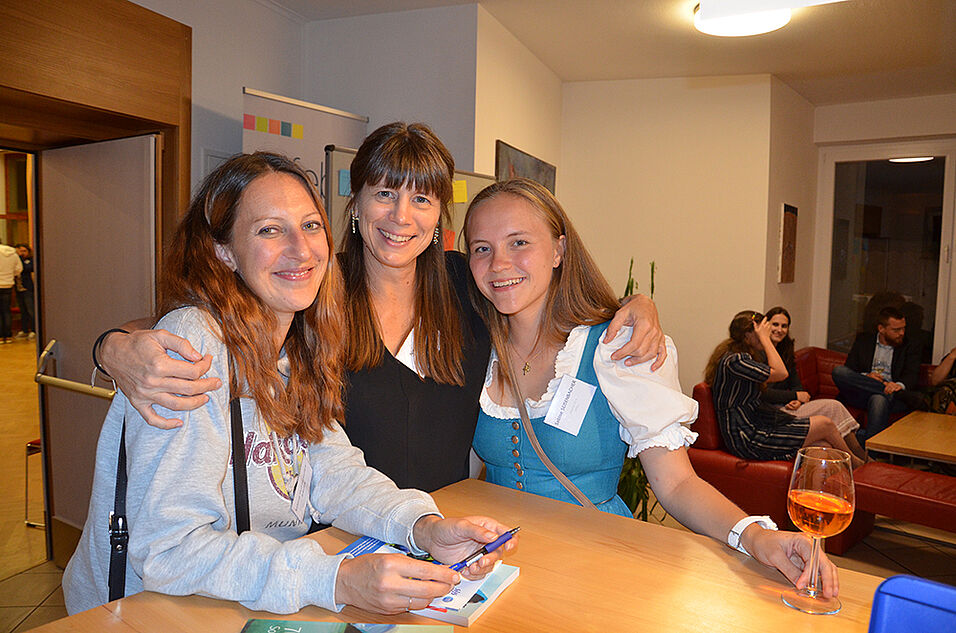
{"points": [[416, 349], [249, 280], [547, 307], [789, 393]]}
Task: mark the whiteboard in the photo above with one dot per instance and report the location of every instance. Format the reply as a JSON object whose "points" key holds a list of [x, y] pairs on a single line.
{"points": [[298, 129], [338, 160]]}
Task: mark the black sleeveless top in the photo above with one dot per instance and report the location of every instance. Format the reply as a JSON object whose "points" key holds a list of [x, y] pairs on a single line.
{"points": [[416, 431]]}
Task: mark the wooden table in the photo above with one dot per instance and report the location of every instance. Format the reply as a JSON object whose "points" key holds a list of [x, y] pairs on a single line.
{"points": [[581, 570], [920, 434]]}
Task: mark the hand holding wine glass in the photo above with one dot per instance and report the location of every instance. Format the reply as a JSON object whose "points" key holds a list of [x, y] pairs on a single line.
{"points": [[820, 502]]}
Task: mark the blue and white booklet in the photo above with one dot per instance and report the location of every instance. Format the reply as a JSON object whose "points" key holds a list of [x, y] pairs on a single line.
{"points": [[465, 602]]}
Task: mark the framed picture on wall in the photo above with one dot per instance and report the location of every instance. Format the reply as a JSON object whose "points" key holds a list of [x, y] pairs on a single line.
{"points": [[788, 245], [511, 162]]}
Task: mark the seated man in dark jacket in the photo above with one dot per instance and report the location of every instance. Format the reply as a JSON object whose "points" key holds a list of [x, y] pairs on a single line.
{"points": [[881, 373]]}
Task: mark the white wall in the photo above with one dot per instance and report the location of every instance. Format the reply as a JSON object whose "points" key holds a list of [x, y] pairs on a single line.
{"points": [[236, 43], [793, 180], [411, 65], [675, 171], [889, 119], [517, 98]]}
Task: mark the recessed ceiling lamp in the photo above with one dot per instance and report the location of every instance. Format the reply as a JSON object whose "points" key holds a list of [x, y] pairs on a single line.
{"points": [[912, 159], [739, 18]]}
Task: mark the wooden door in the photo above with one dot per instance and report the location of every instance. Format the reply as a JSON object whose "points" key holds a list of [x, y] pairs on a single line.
{"points": [[96, 255]]}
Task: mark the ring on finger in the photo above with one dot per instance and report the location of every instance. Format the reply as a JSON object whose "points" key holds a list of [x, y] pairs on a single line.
{"points": [[409, 607]]}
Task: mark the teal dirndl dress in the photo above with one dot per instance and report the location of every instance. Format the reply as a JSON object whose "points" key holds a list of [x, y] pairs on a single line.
{"points": [[592, 460]]}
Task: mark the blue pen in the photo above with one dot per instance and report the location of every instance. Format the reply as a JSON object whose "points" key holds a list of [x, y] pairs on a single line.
{"points": [[487, 549]]}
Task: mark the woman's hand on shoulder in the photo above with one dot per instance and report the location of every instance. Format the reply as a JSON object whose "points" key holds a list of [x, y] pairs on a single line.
{"points": [[789, 552], [647, 337], [148, 376], [391, 583]]}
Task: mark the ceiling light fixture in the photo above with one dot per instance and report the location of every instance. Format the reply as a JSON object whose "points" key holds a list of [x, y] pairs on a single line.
{"points": [[912, 159], [740, 18]]}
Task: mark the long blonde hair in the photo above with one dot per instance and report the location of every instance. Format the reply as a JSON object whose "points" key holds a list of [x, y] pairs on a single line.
{"points": [[578, 293], [399, 154], [195, 276]]}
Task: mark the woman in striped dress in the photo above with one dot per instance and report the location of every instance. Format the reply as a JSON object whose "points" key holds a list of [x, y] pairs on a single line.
{"points": [[751, 428]]}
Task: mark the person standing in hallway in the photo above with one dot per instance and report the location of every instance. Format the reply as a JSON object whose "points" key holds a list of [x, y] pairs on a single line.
{"points": [[10, 267], [25, 293], [881, 373]]}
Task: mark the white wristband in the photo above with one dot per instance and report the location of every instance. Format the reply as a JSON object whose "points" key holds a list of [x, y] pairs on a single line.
{"points": [[733, 539]]}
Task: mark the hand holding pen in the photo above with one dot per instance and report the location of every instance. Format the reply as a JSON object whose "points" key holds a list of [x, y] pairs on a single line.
{"points": [[485, 550], [460, 539]]}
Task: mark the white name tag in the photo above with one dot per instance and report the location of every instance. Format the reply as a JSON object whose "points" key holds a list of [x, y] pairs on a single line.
{"points": [[570, 404], [303, 485]]}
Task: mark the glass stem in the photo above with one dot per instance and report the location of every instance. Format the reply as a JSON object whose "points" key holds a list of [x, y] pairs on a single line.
{"points": [[813, 588]]}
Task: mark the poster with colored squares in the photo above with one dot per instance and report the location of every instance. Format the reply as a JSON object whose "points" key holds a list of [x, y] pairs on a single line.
{"points": [[298, 129]]}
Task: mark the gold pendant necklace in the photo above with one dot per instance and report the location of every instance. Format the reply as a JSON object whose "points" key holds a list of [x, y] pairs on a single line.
{"points": [[526, 367]]}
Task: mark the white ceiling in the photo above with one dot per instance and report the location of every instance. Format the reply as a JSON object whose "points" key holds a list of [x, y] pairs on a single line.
{"points": [[859, 50]]}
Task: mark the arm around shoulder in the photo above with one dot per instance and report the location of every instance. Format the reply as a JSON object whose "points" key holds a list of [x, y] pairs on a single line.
{"points": [[649, 404]]}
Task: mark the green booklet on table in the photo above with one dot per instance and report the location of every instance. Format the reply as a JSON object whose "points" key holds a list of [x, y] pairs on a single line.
{"points": [[304, 626]]}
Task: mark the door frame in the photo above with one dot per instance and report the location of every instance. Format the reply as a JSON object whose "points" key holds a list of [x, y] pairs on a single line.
{"points": [[829, 156]]}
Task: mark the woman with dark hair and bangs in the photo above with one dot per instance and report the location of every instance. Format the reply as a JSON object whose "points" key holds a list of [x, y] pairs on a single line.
{"points": [[751, 428], [789, 394], [250, 281], [416, 349]]}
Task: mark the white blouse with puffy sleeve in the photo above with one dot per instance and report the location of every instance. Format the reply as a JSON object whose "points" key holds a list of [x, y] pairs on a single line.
{"points": [[650, 406]]}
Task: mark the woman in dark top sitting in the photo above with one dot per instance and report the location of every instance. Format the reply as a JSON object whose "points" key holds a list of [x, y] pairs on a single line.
{"points": [[752, 429], [790, 395], [416, 351]]}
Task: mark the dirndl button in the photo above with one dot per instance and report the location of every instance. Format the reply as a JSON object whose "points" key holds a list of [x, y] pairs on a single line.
{"points": [[514, 439], [519, 486]]}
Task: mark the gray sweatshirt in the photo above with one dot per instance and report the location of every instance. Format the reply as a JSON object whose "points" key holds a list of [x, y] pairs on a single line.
{"points": [[181, 511]]}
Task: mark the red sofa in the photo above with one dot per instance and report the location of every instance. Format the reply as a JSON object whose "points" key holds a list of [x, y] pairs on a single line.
{"points": [[760, 487]]}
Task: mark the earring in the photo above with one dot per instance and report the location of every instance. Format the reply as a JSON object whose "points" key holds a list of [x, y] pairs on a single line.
{"points": [[354, 221], [437, 236]]}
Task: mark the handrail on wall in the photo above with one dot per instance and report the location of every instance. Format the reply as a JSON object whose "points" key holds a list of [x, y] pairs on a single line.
{"points": [[50, 352]]}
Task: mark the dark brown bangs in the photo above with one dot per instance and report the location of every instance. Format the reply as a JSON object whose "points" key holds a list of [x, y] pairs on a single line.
{"points": [[410, 161]]}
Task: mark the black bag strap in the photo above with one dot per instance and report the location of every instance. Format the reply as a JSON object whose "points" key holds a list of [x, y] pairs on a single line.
{"points": [[239, 482], [119, 531], [119, 534]]}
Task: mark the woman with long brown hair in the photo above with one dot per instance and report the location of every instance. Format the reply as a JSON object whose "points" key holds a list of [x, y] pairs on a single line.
{"points": [[547, 306], [751, 428], [416, 349], [790, 395], [249, 280]]}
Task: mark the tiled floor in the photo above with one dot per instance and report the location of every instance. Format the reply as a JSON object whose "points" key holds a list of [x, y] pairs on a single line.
{"points": [[20, 547], [31, 598]]}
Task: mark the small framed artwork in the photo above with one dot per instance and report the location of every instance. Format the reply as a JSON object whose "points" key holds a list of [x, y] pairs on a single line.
{"points": [[511, 162], [788, 245]]}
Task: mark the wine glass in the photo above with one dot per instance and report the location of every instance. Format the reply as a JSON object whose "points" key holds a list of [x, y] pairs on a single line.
{"points": [[820, 502]]}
